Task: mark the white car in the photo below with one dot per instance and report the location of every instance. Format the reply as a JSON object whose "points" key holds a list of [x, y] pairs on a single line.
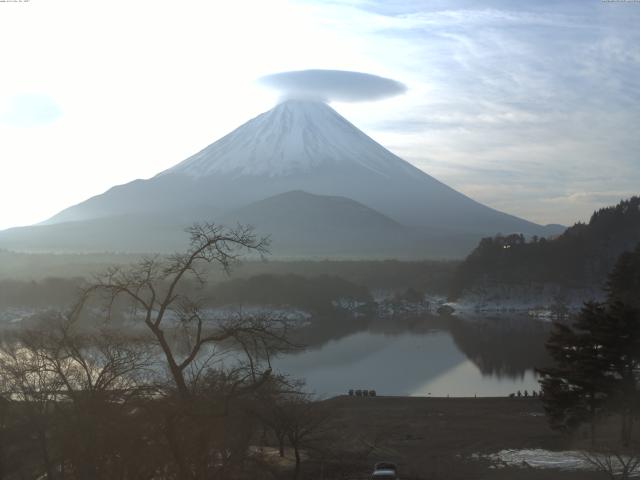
{"points": [[385, 471], [384, 475]]}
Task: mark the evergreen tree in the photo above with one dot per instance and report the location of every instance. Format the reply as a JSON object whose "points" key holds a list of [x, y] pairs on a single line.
{"points": [[598, 357], [576, 388], [623, 284]]}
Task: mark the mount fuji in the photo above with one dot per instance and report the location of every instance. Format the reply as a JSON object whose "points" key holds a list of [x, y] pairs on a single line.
{"points": [[301, 170]]}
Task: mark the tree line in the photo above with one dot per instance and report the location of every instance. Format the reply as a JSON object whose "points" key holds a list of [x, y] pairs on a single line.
{"points": [[581, 257], [313, 290]]}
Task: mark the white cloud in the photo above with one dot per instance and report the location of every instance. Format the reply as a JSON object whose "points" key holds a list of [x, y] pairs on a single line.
{"points": [[333, 85], [29, 110]]}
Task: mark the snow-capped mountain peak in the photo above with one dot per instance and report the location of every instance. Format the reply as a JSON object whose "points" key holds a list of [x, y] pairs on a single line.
{"points": [[296, 135]]}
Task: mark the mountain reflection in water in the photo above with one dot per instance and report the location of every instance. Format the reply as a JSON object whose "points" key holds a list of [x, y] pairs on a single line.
{"points": [[429, 356]]}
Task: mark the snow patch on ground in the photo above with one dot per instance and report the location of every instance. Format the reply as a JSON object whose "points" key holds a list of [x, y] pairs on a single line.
{"points": [[538, 301], [16, 315], [545, 459], [294, 315], [215, 315], [539, 458]]}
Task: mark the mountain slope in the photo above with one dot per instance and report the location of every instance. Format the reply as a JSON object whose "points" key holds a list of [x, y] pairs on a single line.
{"points": [[301, 145], [295, 136], [133, 233], [299, 224], [297, 146], [303, 224]]}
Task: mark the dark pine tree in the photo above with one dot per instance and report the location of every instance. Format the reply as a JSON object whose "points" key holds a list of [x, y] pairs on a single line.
{"points": [[623, 284], [577, 386], [597, 358]]}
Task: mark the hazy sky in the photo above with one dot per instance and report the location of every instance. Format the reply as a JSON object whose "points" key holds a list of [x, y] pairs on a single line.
{"points": [[531, 107]]}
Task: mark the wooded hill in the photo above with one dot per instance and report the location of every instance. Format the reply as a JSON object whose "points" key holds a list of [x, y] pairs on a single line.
{"points": [[580, 257]]}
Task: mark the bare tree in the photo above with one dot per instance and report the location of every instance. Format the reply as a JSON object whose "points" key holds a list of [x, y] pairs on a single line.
{"points": [[26, 382], [100, 403], [619, 464], [271, 407], [307, 421], [162, 293], [74, 387], [212, 363]]}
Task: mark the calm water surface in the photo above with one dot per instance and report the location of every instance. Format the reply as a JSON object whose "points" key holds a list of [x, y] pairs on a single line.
{"points": [[408, 363]]}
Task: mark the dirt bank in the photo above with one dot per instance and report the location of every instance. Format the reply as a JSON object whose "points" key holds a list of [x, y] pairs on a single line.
{"points": [[445, 438]]}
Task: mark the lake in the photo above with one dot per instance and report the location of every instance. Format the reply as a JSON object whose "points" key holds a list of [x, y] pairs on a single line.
{"points": [[419, 355], [487, 358]]}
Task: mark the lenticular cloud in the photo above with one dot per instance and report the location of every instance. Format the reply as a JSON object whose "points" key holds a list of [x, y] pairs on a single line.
{"points": [[333, 85]]}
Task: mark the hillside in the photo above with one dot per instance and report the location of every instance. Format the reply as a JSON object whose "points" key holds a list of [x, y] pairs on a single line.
{"points": [[579, 258], [303, 224]]}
